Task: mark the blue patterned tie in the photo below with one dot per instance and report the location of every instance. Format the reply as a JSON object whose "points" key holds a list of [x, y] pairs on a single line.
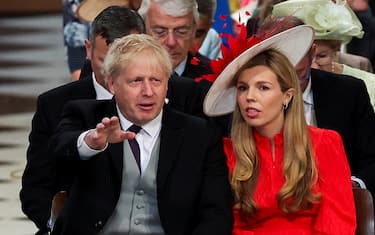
{"points": [[134, 145]]}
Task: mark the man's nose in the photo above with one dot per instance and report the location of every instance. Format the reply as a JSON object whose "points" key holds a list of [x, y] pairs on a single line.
{"points": [[170, 39], [147, 88]]}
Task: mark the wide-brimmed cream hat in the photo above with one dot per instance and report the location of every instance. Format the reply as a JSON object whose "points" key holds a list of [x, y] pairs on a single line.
{"points": [[293, 43], [330, 21], [89, 9]]}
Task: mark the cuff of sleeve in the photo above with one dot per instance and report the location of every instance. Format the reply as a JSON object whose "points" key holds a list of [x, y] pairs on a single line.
{"points": [[359, 182], [85, 152]]}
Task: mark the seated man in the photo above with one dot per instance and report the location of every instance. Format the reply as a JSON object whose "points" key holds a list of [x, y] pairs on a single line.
{"points": [[171, 179], [173, 23], [39, 182]]}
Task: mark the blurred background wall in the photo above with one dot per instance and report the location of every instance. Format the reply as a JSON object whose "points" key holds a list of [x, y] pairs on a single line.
{"points": [[30, 7]]}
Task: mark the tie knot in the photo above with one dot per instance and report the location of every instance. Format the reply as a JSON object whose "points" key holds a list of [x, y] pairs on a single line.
{"points": [[134, 128]]}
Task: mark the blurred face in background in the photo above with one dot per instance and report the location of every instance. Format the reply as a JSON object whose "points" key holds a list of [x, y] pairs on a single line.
{"points": [[303, 68], [96, 54], [175, 34], [324, 56], [358, 5], [204, 24]]}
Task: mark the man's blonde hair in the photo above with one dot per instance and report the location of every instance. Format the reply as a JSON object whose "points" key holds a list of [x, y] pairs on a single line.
{"points": [[124, 49]]}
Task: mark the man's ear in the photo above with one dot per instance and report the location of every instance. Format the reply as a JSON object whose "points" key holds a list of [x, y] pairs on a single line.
{"points": [[135, 4], [88, 49], [110, 84]]}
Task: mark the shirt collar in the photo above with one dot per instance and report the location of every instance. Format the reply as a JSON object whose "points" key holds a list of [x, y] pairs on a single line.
{"points": [[307, 95], [151, 128], [101, 92], [181, 67]]}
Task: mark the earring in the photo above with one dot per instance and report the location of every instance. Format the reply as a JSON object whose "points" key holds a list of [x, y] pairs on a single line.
{"points": [[285, 106]]}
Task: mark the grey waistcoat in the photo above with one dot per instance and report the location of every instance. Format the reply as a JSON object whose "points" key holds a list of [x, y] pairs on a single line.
{"points": [[136, 212]]}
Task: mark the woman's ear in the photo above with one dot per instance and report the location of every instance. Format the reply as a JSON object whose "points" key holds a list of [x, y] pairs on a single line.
{"points": [[288, 95]]}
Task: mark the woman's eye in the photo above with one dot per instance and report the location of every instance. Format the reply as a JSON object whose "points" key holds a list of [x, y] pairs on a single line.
{"points": [[241, 88]]}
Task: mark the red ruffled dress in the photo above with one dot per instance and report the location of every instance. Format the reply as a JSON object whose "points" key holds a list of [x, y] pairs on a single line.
{"points": [[334, 215]]}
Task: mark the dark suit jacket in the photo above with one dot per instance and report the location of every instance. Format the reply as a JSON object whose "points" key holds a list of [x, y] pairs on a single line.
{"points": [[193, 191], [39, 181], [342, 103], [364, 46], [196, 67]]}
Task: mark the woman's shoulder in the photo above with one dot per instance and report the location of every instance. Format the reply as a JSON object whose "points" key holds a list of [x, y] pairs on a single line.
{"points": [[325, 143], [319, 135]]}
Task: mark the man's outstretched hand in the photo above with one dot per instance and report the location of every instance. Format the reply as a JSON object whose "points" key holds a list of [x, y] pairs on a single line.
{"points": [[107, 131]]}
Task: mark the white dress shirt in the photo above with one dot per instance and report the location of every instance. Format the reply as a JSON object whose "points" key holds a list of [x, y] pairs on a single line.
{"points": [[101, 92], [146, 139], [308, 104], [181, 67]]}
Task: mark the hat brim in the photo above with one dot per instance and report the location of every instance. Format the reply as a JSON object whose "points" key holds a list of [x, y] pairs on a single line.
{"points": [[89, 9], [293, 43]]}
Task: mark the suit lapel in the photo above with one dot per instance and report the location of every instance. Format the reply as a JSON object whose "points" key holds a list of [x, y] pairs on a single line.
{"points": [[86, 89], [171, 138]]}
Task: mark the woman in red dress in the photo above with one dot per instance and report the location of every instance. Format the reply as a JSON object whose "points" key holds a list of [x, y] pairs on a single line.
{"points": [[286, 177]]}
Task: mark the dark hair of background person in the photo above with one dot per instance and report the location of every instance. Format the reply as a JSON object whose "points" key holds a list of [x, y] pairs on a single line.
{"points": [[275, 24], [264, 10], [105, 26]]}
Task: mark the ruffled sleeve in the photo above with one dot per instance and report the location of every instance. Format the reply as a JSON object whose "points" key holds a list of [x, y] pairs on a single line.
{"points": [[336, 213], [229, 152]]}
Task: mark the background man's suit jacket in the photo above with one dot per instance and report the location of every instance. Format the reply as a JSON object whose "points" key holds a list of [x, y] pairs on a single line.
{"points": [[39, 182], [193, 191], [342, 103]]}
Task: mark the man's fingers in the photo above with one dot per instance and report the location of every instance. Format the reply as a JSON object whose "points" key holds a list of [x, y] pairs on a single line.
{"points": [[125, 135]]}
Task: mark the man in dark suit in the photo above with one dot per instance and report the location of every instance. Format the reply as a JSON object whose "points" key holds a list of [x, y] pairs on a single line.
{"points": [[173, 24], [174, 181], [341, 103], [39, 183]]}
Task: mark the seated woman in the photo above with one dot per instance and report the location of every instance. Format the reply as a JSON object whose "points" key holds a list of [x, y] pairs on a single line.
{"points": [[287, 177]]}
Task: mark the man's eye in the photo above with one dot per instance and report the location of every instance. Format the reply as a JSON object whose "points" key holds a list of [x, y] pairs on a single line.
{"points": [[182, 32], [199, 33], [155, 80], [159, 31]]}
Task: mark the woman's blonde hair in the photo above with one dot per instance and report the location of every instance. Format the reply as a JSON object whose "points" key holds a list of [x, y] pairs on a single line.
{"points": [[299, 167]]}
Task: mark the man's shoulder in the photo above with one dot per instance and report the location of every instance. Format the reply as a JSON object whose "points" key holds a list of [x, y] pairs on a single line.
{"points": [[89, 105], [81, 89], [337, 80], [180, 119]]}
